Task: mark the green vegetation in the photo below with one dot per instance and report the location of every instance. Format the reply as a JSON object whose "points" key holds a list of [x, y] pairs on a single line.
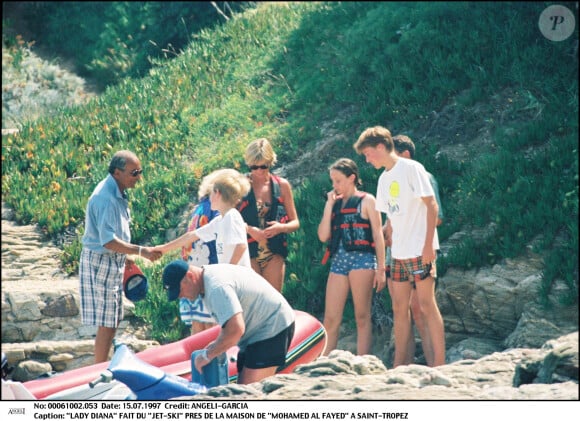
{"points": [[113, 40], [451, 75]]}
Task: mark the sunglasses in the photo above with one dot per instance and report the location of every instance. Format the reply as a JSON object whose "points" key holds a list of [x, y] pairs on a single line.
{"points": [[259, 167], [136, 173]]}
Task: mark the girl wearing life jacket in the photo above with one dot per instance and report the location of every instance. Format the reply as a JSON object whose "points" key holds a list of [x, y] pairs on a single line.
{"points": [[269, 212], [353, 229]]}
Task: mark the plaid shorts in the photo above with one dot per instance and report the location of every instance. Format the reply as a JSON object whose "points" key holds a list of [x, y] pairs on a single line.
{"points": [[411, 270], [101, 288]]}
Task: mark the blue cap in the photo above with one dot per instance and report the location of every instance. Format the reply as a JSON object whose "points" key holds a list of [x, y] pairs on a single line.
{"points": [[172, 276], [136, 288]]}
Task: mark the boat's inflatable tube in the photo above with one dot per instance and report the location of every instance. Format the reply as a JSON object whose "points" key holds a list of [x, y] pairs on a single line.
{"points": [[307, 344]]}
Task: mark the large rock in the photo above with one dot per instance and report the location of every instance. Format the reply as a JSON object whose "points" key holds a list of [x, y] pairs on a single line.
{"points": [[63, 306], [551, 373], [501, 304], [40, 358]]}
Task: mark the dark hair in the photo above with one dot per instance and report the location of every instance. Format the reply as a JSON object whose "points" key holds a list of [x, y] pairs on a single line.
{"points": [[404, 143], [347, 167], [119, 160]]}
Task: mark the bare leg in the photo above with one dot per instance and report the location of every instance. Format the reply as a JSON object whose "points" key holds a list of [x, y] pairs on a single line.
{"points": [[422, 329], [197, 327], [103, 343], [402, 320], [433, 319], [421, 326], [256, 266], [410, 358], [274, 272], [252, 375], [361, 286], [336, 294]]}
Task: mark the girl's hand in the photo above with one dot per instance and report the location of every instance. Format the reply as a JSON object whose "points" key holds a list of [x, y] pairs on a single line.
{"points": [[332, 197], [380, 280]]}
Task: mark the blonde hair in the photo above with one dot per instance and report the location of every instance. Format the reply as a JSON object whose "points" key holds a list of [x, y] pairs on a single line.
{"points": [[260, 150], [231, 184], [205, 187]]}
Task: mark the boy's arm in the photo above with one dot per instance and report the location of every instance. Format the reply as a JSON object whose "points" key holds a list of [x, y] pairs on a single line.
{"points": [[238, 252], [428, 255], [375, 219], [185, 239]]}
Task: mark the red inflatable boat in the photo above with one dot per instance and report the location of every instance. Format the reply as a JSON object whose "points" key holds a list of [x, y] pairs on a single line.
{"points": [[175, 358]]}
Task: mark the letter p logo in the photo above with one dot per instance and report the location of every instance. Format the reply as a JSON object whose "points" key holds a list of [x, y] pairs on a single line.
{"points": [[557, 23], [557, 20]]}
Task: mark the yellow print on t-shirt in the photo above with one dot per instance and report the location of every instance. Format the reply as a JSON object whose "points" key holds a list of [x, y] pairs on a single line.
{"points": [[394, 191]]}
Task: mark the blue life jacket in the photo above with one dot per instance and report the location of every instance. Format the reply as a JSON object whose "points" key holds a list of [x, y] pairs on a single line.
{"points": [[201, 215]]}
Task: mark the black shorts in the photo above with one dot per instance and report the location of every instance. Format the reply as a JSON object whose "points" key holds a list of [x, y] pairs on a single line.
{"points": [[267, 353]]}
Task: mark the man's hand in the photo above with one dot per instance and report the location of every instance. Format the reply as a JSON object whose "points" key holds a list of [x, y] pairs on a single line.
{"points": [[201, 360], [151, 253]]}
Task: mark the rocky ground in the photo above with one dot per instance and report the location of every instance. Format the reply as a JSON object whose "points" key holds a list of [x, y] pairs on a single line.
{"points": [[518, 374]]}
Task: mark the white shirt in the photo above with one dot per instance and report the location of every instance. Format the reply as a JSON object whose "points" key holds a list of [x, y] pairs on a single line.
{"points": [[399, 195], [228, 230]]}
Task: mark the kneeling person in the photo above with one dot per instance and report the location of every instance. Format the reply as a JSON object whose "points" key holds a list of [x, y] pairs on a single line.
{"points": [[252, 314]]}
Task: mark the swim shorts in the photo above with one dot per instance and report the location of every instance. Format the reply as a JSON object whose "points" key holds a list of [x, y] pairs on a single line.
{"points": [[345, 261], [267, 353]]}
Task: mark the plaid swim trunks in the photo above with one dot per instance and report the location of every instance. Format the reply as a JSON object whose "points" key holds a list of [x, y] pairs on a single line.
{"points": [[412, 269]]}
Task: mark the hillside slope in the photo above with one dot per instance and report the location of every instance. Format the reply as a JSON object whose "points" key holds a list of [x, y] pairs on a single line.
{"points": [[479, 100]]}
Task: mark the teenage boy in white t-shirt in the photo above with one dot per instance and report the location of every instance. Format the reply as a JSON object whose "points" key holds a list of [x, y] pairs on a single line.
{"points": [[405, 195]]}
